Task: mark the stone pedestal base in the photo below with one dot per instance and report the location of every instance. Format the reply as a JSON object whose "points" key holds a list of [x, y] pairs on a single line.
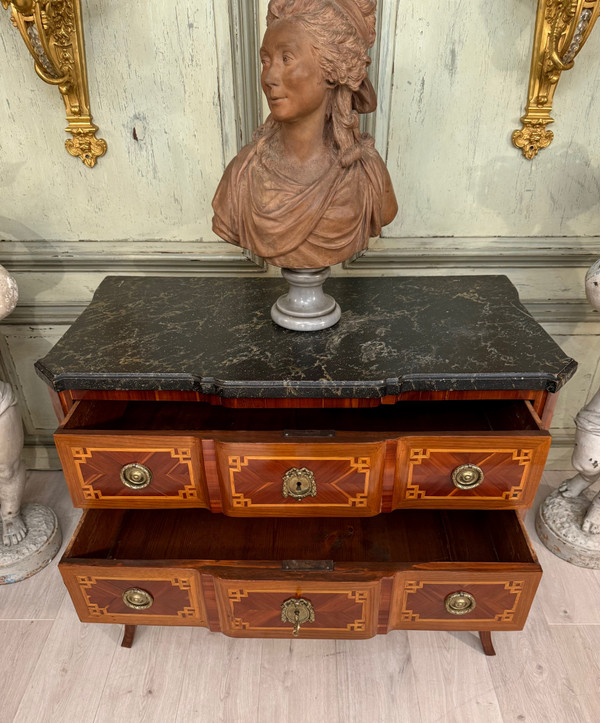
{"points": [[39, 547], [305, 307], [558, 525]]}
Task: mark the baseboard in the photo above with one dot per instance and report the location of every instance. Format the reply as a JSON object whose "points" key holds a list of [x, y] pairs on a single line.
{"points": [[41, 457]]}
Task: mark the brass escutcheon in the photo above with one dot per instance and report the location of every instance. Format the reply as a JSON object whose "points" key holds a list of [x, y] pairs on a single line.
{"points": [[299, 483], [297, 611], [467, 477], [137, 599], [460, 603], [136, 476]]}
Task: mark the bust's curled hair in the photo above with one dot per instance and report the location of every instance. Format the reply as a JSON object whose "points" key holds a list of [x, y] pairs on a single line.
{"points": [[341, 33]]}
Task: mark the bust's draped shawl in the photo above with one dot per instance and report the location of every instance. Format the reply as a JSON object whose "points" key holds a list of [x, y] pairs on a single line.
{"points": [[298, 226]]}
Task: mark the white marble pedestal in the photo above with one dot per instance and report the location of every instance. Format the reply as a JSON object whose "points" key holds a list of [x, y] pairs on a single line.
{"points": [[36, 550], [558, 524]]}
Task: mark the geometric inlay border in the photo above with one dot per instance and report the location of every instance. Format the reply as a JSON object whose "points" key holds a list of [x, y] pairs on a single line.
{"points": [[360, 465], [87, 582], [359, 625], [522, 457], [514, 587], [82, 455]]}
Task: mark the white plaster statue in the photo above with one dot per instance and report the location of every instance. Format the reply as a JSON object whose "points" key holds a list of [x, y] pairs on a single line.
{"points": [[586, 460], [12, 471], [568, 521], [586, 455], [31, 535]]}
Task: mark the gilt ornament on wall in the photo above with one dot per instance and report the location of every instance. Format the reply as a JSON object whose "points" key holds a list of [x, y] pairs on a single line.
{"points": [[53, 33], [562, 29]]}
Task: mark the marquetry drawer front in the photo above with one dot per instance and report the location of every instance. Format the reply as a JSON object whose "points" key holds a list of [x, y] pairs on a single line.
{"points": [[268, 609], [462, 600], [300, 480], [470, 472], [132, 472], [148, 596]]}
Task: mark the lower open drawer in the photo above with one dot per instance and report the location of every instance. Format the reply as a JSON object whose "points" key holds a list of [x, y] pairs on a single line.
{"points": [[314, 578]]}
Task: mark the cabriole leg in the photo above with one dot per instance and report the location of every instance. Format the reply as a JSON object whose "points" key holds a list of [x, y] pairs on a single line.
{"points": [[128, 635], [486, 642]]}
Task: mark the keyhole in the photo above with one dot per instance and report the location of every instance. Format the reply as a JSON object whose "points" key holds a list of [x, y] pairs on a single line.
{"points": [[299, 485]]}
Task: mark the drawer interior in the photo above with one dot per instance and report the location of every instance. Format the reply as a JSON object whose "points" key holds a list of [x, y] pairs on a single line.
{"points": [[401, 537], [402, 417]]}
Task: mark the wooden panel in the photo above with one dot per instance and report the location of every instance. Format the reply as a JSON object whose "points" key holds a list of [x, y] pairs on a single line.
{"points": [[475, 183], [503, 599], [97, 594], [512, 468], [190, 98], [253, 608], [92, 466], [19, 346], [348, 478]]}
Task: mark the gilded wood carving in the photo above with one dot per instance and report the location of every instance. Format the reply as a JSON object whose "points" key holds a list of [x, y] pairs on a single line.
{"points": [[562, 28], [53, 33]]}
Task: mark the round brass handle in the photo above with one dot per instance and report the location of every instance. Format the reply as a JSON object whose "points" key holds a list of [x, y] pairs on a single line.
{"points": [[467, 476], [297, 611], [137, 599], [136, 476], [460, 603], [299, 483]]}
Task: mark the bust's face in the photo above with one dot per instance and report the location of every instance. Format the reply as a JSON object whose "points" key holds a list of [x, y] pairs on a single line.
{"points": [[291, 78]]}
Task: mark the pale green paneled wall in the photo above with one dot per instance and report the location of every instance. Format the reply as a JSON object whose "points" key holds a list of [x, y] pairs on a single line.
{"points": [[154, 68], [452, 80], [458, 89]]}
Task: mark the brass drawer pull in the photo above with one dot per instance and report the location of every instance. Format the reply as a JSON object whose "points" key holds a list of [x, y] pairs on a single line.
{"points": [[136, 476], [467, 476], [137, 599], [297, 611], [299, 483], [460, 603]]}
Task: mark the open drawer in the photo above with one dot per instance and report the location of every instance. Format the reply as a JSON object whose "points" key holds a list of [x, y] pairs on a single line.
{"points": [[495, 468], [302, 462], [319, 578]]}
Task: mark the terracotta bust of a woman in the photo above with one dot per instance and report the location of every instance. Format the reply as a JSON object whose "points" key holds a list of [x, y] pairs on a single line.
{"points": [[310, 189]]}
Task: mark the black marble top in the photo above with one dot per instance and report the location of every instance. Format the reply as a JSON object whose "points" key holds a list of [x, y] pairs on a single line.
{"points": [[396, 334]]}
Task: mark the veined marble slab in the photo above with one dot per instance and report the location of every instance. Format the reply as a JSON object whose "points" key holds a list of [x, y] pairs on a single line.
{"points": [[215, 336]]}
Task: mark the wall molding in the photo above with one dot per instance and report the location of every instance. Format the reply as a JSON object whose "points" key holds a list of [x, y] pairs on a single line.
{"points": [[569, 311], [43, 315], [566, 311], [381, 73], [386, 254], [245, 44], [452, 252], [186, 258], [41, 455]]}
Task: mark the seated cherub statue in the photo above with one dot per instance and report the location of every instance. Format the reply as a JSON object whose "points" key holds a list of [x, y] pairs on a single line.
{"points": [[12, 470], [586, 460]]}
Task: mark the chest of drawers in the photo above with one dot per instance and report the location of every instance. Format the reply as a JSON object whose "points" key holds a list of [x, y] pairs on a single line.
{"points": [[268, 483]]}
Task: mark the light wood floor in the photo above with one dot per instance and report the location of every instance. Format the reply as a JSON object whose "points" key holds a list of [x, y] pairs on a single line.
{"points": [[54, 668]]}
